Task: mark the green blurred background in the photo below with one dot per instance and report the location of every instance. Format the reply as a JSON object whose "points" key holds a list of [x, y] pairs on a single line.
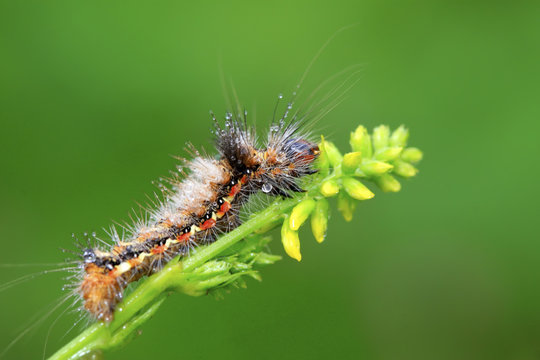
{"points": [[95, 96]]}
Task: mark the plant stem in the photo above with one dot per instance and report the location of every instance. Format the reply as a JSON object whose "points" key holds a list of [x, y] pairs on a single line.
{"points": [[100, 335], [142, 303]]}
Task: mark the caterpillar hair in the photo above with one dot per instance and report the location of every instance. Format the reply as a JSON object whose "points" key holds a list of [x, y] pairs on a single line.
{"points": [[196, 207]]}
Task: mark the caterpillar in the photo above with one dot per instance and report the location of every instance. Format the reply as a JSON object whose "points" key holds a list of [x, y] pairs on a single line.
{"points": [[196, 207]]}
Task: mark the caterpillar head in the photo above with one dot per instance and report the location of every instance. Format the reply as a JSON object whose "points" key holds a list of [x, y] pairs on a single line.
{"points": [[284, 163], [275, 169], [303, 151]]}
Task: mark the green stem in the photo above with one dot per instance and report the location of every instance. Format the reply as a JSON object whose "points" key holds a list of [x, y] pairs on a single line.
{"points": [[101, 335], [142, 303]]}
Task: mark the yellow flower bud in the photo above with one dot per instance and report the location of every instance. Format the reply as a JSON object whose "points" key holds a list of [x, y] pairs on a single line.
{"points": [[319, 220], [351, 161], [329, 188], [380, 137], [388, 183], [412, 155], [404, 169], [333, 153], [346, 206], [290, 241], [375, 168], [388, 154], [322, 162], [361, 141], [356, 189], [399, 137], [300, 213]]}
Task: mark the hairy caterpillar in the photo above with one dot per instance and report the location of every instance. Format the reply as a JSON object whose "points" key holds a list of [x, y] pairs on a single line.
{"points": [[207, 201], [194, 210]]}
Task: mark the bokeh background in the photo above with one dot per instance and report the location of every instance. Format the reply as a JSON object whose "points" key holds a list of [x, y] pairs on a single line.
{"points": [[95, 96]]}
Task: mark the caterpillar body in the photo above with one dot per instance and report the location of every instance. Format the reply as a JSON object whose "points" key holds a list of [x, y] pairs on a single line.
{"points": [[196, 207]]}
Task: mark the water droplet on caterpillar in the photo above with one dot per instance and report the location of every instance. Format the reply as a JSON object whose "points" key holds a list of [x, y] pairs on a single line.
{"points": [[280, 96], [266, 188]]}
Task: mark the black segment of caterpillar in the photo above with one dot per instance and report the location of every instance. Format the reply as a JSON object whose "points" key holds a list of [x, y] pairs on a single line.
{"points": [[197, 208]]}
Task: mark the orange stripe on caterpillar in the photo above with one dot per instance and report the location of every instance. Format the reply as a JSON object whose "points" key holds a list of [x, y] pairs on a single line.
{"points": [[226, 206], [159, 249], [235, 189], [207, 224], [183, 237]]}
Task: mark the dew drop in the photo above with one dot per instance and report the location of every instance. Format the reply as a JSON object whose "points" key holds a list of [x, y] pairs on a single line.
{"points": [[266, 188], [280, 96]]}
